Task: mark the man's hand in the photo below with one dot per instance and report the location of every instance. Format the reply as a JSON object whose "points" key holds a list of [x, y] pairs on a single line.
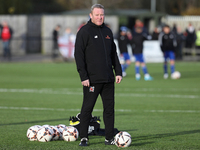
{"points": [[86, 83], [118, 79]]}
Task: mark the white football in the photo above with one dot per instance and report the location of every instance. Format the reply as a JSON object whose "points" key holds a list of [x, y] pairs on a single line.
{"points": [[176, 75], [70, 134], [32, 132], [56, 133], [44, 134], [61, 127], [122, 139], [46, 125]]}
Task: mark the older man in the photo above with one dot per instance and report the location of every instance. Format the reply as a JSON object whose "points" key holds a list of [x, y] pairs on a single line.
{"points": [[96, 58]]}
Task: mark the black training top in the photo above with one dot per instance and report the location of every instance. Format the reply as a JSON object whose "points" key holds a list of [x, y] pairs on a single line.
{"points": [[95, 54], [167, 41]]}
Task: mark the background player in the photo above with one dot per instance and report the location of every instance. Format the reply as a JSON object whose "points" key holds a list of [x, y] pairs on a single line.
{"points": [[123, 41], [168, 44], [137, 50]]}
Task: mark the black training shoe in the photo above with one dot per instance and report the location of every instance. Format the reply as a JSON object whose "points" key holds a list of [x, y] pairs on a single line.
{"points": [[84, 142], [110, 142]]}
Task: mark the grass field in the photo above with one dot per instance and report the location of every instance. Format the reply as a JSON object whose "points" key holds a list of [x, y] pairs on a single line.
{"points": [[159, 114]]}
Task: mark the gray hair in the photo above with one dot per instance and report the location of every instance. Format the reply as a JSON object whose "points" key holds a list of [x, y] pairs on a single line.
{"points": [[97, 6]]}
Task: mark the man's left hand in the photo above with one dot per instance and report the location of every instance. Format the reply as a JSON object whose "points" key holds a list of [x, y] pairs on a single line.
{"points": [[118, 79]]}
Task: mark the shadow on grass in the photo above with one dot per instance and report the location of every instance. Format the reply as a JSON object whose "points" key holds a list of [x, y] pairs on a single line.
{"points": [[151, 137], [165, 135], [141, 144], [35, 122]]}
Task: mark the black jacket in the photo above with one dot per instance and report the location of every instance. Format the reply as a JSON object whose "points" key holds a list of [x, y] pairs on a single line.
{"points": [[137, 42], [95, 54], [167, 41], [123, 41]]}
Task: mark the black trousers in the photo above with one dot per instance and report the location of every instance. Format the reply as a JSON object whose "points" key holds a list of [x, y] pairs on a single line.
{"points": [[90, 95]]}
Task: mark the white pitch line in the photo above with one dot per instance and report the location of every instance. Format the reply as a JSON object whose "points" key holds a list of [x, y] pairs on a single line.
{"points": [[159, 89], [158, 95], [56, 109], [76, 92], [100, 110], [173, 111]]}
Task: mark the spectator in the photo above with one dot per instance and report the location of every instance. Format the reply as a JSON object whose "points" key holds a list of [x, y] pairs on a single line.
{"points": [[197, 43], [155, 34], [6, 36], [55, 41], [174, 29], [66, 45], [137, 50], [180, 39], [123, 41], [168, 44], [190, 36]]}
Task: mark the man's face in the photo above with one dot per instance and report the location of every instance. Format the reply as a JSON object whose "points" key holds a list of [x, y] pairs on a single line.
{"points": [[166, 30], [97, 16]]}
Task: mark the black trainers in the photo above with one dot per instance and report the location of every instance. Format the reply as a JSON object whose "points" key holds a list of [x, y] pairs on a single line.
{"points": [[110, 142], [84, 142]]}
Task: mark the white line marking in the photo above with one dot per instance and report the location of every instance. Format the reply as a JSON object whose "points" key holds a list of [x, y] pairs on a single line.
{"points": [[77, 91], [159, 89], [173, 111], [100, 110], [55, 109]]}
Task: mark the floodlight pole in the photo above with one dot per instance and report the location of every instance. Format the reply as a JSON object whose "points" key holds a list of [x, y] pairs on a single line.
{"points": [[153, 6]]}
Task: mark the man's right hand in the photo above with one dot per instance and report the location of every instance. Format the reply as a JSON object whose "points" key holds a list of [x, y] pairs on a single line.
{"points": [[86, 83]]}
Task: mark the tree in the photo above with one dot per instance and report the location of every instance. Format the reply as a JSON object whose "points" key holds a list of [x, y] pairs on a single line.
{"points": [[14, 6], [172, 7], [29, 6]]}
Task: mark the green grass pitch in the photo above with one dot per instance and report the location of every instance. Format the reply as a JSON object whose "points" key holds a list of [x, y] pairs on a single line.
{"points": [[159, 114]]}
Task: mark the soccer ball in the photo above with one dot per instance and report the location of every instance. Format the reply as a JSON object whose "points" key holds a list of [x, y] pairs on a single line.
{"points": [[32, 132], [70, 134], [122, 139], [44, 134], [61, 127], [56, 133], [46, 125], [176, 75]]}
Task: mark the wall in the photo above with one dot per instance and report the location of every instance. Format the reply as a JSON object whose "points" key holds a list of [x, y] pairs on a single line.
{"points": [[50, 21], [182, 21], [33, 34], [18, 24]]}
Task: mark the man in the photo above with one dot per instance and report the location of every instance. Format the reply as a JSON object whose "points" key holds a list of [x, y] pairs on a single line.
{"points": [[6, 35], [180, 38], [55, 40], [168, 44], [190, 34], [96, 57], [197, 42]]}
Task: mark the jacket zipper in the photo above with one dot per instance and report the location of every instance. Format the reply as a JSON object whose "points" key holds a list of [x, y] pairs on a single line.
{"points": [[104, 50]]}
